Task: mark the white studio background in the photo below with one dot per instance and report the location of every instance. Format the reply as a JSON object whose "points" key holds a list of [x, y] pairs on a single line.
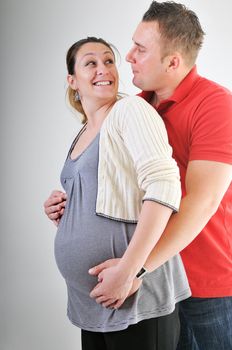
{"points": [[36, 131]]}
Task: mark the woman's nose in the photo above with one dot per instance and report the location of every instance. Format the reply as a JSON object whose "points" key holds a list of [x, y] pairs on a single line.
{"points": [[102, 69]]}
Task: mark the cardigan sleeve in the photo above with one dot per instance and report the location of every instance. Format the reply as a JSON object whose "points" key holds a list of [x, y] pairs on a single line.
{"points": [[145, 137]]}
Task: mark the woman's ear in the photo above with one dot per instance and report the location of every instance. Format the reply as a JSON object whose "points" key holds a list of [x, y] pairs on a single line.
{"points": [[72, 81]]}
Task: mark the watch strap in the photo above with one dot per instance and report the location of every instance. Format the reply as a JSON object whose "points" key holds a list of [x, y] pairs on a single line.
{"points": [[143, 271]]}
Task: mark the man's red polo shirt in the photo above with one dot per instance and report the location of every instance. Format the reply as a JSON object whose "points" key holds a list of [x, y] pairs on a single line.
{"points": [[198, 118]]}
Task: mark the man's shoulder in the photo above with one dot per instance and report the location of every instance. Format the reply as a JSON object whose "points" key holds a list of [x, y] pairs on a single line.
{"points": [[208, 86]]}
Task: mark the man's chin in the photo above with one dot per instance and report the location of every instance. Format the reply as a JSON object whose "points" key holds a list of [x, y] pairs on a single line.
{"points": [[137, 83]]}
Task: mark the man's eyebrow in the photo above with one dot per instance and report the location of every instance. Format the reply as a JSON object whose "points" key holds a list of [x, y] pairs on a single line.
{"points": [[139, 45]]}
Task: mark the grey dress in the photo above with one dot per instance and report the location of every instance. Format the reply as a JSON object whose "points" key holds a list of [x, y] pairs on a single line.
{"points": [[85, 239]]}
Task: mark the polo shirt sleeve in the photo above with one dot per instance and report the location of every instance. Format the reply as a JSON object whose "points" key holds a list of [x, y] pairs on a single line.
{"points": [[211, 136], [145, 138]]}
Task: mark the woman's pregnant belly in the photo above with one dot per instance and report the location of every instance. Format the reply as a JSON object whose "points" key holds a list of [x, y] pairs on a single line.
{"points": [[84, 240]]}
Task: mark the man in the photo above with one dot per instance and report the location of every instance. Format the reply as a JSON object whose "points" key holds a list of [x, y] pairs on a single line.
{"points": [[198, 117]]}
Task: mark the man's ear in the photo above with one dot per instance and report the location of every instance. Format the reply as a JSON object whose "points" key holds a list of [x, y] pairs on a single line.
{"points": [[174, 62], [72, 81]]}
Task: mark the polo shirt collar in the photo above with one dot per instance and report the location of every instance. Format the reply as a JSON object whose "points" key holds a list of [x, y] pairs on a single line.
{"points": [[185, 86]]}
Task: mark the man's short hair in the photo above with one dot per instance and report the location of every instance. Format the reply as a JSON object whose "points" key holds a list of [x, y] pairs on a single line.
{"points": [[179, 27]]}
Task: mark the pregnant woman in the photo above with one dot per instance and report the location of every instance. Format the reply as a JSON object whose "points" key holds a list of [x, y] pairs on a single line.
{"points": [[122, 186]]}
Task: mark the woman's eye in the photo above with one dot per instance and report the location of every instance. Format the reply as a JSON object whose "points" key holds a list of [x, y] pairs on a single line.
{"points": [[90, 63], [110, 61]]}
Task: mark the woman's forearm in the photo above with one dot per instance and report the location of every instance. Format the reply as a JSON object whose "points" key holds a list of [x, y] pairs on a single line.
{"points": [[152, 222]]}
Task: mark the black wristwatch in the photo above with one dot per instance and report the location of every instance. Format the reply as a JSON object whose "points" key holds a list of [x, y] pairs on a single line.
{"points": [[142, 273]]}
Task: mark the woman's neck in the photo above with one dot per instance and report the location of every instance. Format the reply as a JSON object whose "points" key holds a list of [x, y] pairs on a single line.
{"points": [[97, 114]]}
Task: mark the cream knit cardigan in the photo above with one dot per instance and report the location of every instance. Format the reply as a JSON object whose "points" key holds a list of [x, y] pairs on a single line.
{"points": [[135, 162]]}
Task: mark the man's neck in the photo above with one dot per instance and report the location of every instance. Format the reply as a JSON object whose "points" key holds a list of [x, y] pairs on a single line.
{"points": [[167, 91]]}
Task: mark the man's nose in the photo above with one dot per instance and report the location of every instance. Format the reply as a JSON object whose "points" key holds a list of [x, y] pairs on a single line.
{"points": [[129, 56]]}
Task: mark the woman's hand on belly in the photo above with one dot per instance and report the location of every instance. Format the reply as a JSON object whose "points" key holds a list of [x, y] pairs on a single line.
{"points": [[114, 286]]}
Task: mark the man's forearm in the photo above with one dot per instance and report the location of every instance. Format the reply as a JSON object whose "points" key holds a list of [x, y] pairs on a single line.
{"points": [[206, 183], [182, 228]]}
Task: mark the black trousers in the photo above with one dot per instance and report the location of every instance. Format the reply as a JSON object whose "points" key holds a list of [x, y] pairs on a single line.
{"points": [[161, 333]]}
